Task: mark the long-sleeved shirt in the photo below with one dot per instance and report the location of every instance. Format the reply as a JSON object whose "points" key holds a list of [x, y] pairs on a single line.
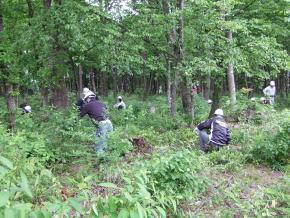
{"points": [[95, 110], [120, 105], [220, 134], [270, 91]]}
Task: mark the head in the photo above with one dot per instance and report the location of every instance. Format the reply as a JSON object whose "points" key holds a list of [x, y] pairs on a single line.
{"points": [[27, 109], [120, 98], [219, 112], [90, 98], [272, 83]]}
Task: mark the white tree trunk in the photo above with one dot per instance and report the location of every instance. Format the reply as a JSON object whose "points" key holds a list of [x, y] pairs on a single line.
{"points": [[231, 76]]}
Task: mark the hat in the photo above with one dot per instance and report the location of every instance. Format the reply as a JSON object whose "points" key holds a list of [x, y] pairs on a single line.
{"points": [[209, 101], [27, 108], [272, 83], [120, 97], [253, 99], [87, 93], [219, 112]]}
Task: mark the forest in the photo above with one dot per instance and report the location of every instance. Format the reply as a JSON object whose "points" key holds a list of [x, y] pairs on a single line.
{"points": [[144, 108]]}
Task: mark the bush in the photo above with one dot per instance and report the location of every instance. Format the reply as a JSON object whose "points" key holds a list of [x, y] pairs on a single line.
{"points": [[271, 150]]}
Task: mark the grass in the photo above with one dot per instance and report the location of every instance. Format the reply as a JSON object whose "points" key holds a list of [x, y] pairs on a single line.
{"points": [[121, 181]]}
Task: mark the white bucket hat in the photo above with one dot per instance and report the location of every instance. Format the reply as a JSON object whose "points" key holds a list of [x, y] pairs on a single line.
{"points": [[219, 112], [27, 108], [272, 83], [87, 93], [120, 97]]}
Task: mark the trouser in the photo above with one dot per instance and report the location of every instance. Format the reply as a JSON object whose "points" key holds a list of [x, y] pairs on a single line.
{"points": [[204, 142], [104, 127]]}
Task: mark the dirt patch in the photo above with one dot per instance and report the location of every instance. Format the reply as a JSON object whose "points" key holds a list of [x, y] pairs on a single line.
{"points": [[104, 191], [140, 149]]}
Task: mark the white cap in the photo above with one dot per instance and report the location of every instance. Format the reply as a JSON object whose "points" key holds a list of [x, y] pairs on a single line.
{"points": [[120, 97], [209, 101], [253, 99], [87, 93], [262, 99], [27, 108], [219, 112], [272, 83]]}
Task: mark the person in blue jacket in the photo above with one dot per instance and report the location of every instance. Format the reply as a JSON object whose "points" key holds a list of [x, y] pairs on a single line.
{"points": [[219, 132]]}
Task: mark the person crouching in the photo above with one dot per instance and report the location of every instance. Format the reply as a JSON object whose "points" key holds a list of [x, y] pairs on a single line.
{"points": [[97, 112], [120, 103], [219, 135]]}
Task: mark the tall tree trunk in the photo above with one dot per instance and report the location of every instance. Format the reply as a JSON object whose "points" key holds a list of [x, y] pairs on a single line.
{"points": [[179, 53], [230, 75], [216, 97], [47, 4], [93, 80], [44, 94], [10, 102], [168, 84], [10, 107], [80, 80]]}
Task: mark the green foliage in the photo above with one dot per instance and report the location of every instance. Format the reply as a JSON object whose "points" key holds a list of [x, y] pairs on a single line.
{"points": [[272, 149]]}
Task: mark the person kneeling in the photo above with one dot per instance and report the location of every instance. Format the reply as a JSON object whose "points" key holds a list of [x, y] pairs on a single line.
{"points": [[219, 136]]}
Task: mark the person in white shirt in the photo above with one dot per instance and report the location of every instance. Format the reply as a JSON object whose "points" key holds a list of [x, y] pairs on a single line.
{"points": [[270, 92], [120, 103]]}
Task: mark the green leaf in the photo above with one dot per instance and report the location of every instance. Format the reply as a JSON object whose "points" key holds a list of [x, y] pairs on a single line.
{"points": [[124, 213], [25, 185], [161, 211], [6, 162], [140, 210], [9, 213], [4, 197], [76, 205]]}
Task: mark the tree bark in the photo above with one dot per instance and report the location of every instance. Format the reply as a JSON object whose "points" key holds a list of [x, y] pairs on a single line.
{"points": [[216, 97], [179, 53], [47, 4], [10, 101], [93, 80], [230, 75], [80, 80]]}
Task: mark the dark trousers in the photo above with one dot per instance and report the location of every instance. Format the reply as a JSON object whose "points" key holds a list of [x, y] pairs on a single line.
{"points": [[204, 142]]}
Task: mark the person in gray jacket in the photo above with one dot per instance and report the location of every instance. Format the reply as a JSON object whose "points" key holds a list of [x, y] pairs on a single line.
{"points": [[270, 92], [219, 135]]}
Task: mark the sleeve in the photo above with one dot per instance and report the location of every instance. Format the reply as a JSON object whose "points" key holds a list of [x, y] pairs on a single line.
{"points": [[228, 136], [84, 110], [266, 91], [205, 125]]}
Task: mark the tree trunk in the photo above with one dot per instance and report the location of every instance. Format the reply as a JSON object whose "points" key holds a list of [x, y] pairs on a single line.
{"points": [[60, 95], [47, 4], [10, 107], [230, 75], [216, 97], [93, 80], [179, 54], [80, 80], [173, 99]]}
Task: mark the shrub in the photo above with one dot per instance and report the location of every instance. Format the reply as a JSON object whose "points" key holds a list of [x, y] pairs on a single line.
{"points": [[271, 150]]}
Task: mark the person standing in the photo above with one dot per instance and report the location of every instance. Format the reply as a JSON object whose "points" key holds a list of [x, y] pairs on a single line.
{"points": [[219, 132], [270, 92], [96, 110]]}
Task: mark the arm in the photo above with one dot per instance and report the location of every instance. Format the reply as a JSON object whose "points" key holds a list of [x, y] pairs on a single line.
{"points": [[266, 91], [205, 125], [84, 110]]}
